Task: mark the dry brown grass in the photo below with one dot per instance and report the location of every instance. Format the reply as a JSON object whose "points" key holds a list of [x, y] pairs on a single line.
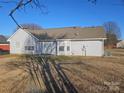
{"points": [[91, 75], [87, 74], [116, 52], [96, 74], [10, 78], [15, 78]]}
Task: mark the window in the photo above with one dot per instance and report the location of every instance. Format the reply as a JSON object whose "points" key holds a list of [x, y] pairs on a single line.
{"points": [[61, 48], [68, 48], [29, 47]]}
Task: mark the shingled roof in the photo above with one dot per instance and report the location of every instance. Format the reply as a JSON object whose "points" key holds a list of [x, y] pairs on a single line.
{"points": [[69, 33]]}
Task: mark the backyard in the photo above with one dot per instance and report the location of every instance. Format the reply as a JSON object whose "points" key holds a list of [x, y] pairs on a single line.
{"points": [[37, 74]]}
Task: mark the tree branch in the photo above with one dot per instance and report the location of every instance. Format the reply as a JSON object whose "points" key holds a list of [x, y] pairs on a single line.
{"points": [[19, 5]]}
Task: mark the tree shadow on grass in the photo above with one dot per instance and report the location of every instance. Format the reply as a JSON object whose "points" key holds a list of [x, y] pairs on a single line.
{"points": [[58, 83], [47, 77]]}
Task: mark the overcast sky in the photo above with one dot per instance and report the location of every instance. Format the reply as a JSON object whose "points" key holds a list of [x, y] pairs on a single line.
{"points": [[64, 13]]}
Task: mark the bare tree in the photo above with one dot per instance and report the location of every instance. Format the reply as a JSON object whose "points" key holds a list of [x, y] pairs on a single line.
{"points": [[112, 33], [21, 5], [30, 26]]}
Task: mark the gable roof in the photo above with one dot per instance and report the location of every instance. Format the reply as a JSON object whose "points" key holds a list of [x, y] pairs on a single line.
{"points": [[20, 29], [69, 33]]}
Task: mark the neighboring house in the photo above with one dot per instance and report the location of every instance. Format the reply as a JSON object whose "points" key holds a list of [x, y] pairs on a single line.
{"points": [[120, 44], [4, 47], [88, 41]]}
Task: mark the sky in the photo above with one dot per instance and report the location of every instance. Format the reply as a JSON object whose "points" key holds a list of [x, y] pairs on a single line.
{"points": [[65, 13]]}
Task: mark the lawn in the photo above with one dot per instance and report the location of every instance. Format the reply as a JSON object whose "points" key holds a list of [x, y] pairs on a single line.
{"points": [[116, 52], [64, 74], [96, 75]]}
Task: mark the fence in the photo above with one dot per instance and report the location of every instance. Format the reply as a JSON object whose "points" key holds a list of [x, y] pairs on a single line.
{"points": [[3, 52]]}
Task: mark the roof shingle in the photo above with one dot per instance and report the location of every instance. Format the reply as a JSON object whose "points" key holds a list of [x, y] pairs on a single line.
{"points": [[69, 33]]}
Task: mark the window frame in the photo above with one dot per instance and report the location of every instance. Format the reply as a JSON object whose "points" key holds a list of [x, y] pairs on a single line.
{"points": [[29, 48], [68, 48], [61, 48]]}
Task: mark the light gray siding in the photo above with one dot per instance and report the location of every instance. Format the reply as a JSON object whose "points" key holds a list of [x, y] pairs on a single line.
{"points": [[76, 47], [66, 44], [87, 48], [18, 42]]}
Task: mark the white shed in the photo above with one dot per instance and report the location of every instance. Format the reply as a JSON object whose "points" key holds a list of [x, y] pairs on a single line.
{"points": [[68, 41], [120, 44]]}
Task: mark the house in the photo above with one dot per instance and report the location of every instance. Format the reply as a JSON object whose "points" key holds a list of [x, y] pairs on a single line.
{"points": [[88, 41], [120, 44], [4, 47]]}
